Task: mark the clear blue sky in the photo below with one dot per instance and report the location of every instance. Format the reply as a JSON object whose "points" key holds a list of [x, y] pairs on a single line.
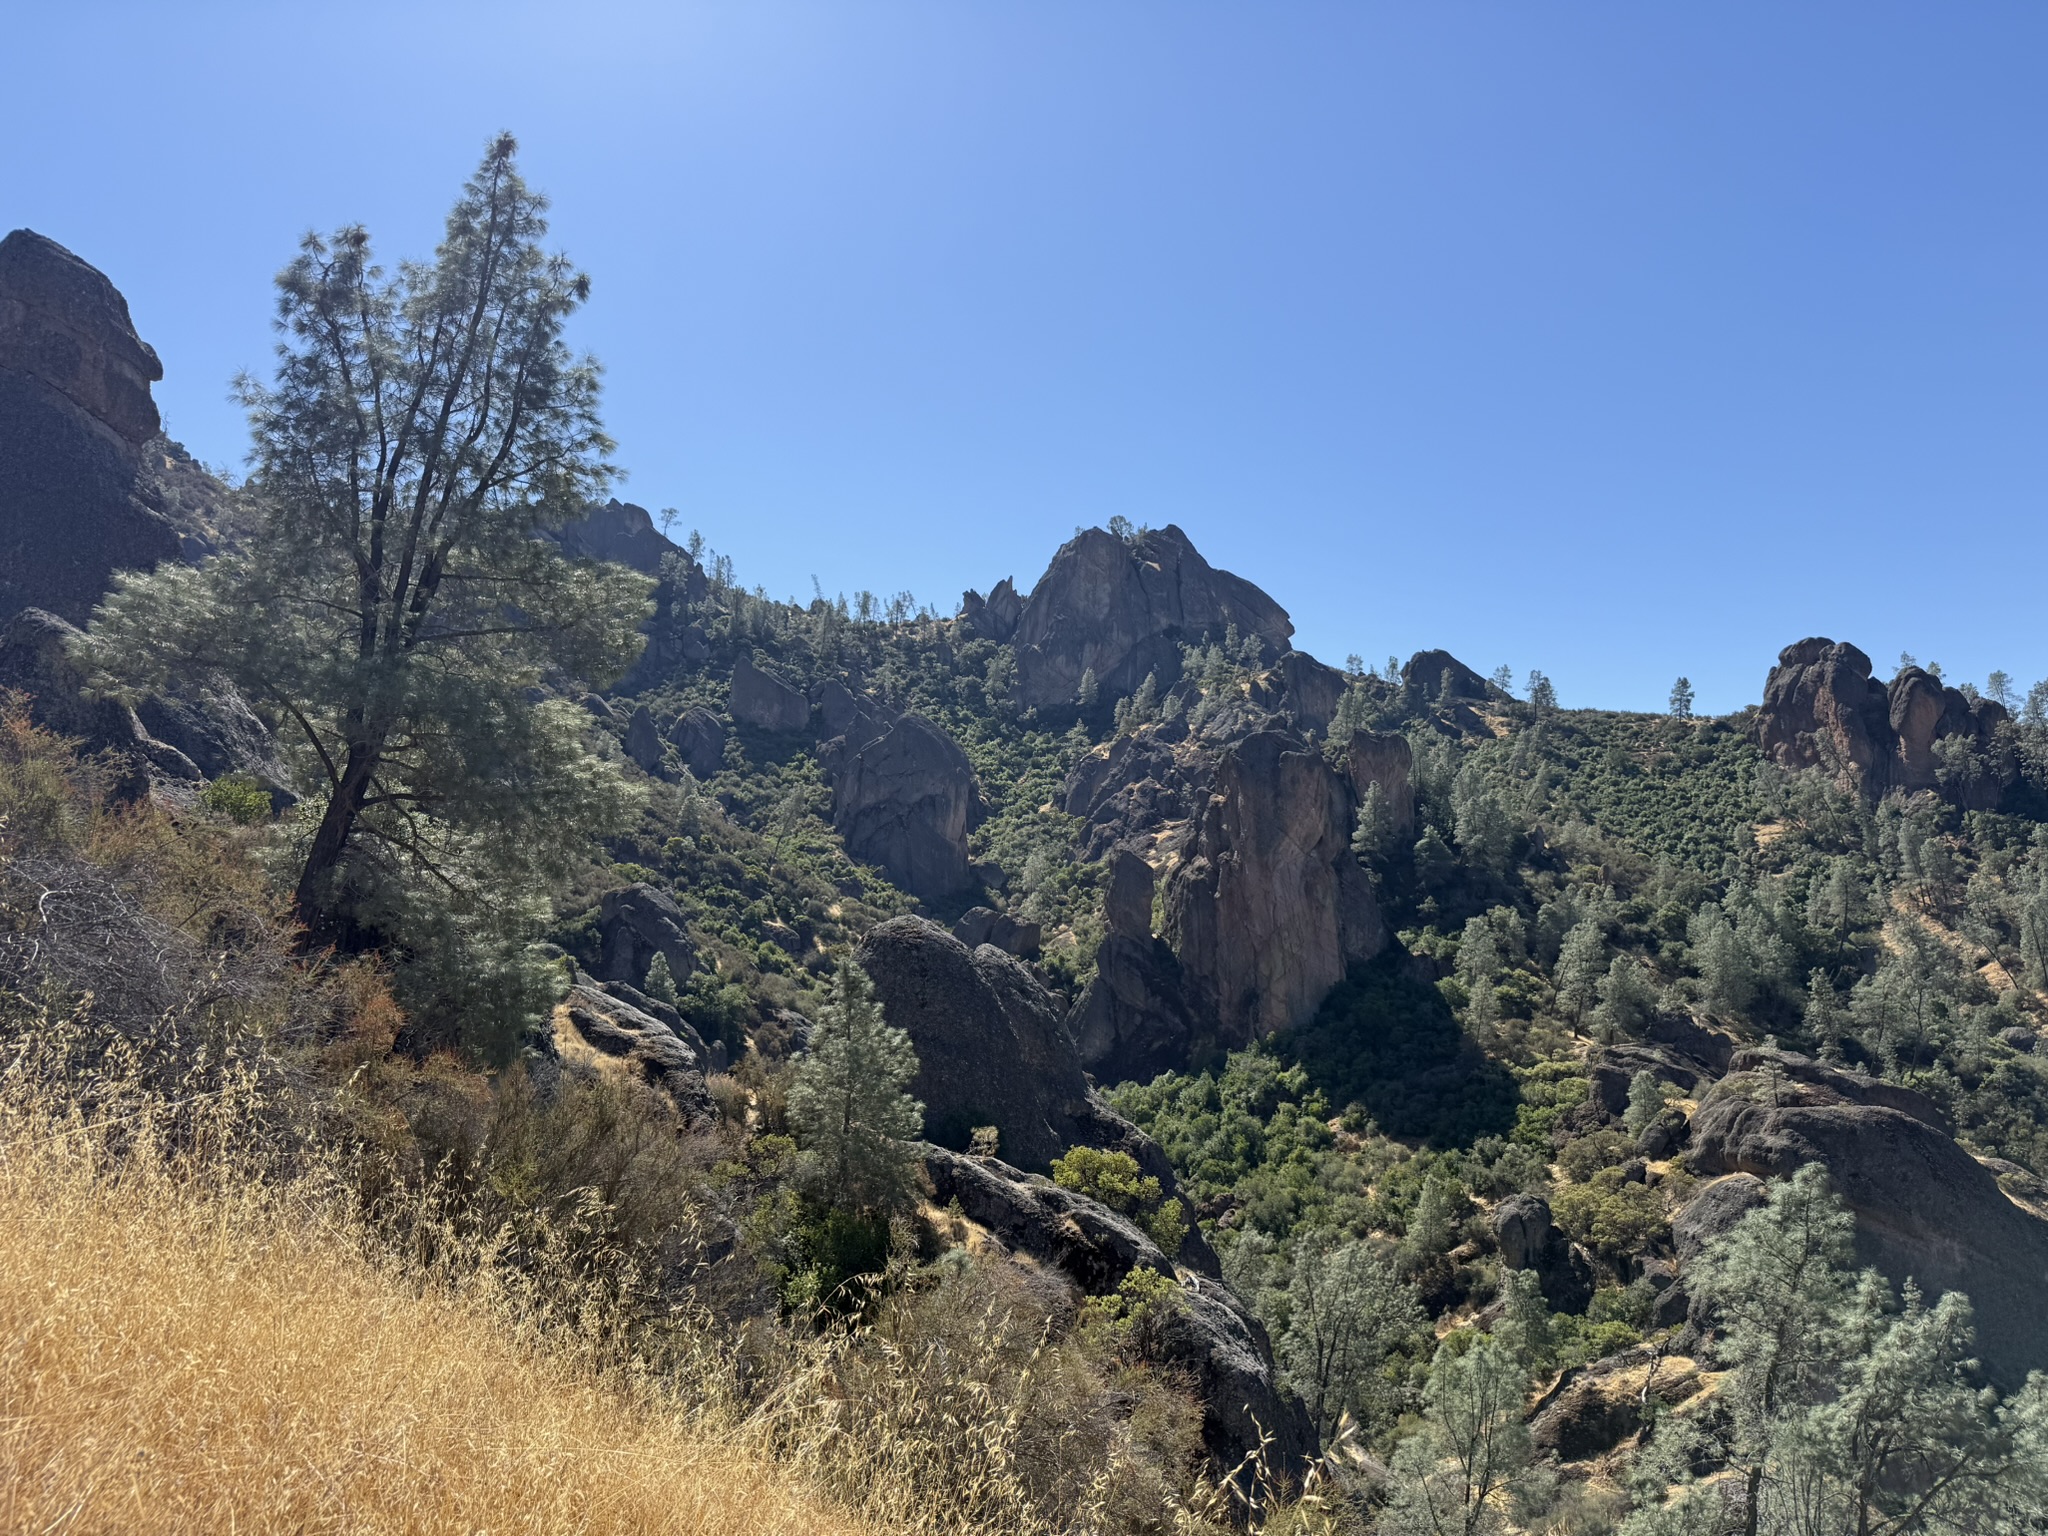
{"points": [[1619, 340]]}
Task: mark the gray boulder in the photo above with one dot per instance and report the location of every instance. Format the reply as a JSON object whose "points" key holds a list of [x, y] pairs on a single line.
{"points": [[1925, 1209], [1527, 1239], [643, 740], [699, 739], [1385, 759], [1208, 1338], [985, 925], [636, 924], [36, 658], [904, 797], [1139, 1015], [766, 702], [658, 1053], [1714, 1210], [1127, 903]]}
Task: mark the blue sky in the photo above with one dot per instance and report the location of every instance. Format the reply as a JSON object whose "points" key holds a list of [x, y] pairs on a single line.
{"points": [[1618, 340]]}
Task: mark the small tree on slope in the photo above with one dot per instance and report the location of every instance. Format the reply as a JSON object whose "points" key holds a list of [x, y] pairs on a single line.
{"points": [[847, 1100]]}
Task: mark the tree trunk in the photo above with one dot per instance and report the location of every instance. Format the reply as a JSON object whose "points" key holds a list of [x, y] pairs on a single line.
{"points": [[325, 924]]}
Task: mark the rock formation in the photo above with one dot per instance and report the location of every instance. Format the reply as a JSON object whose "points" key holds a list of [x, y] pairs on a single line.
{"points": [[1387, 760], [1123, 609], [764, 701], [1822, 708], [671, 1061], [991, 1048], [75, 416], [1267, 909], [993, 617], [985, 925], [636, 924], [643, 740], [699, 739], [1208, 1338], [619, 532], [904, 797], [1925, 1209], [1527, 1239]]}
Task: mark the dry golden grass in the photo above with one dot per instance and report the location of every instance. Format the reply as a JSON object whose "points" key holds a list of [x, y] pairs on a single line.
{"points": [[215, 1360]]}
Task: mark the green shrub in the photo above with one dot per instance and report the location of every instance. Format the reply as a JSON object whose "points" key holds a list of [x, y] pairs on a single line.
{"points": [[238, 797]]}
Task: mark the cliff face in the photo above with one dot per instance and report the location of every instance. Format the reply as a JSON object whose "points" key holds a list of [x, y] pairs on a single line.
{"points": [[75, 416], [1822, 708]]}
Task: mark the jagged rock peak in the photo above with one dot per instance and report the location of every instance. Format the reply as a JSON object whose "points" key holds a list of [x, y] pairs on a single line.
{"points": [[63, 323], [1122, 607], [620, 532], [1823, 708]]}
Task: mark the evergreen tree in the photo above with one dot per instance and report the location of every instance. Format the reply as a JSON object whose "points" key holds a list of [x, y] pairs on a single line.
{"points": [[1581, 963], [1086, 694], [847, 1100], [1542, 694], [1346, 1308], [661, 982], [1462, 1472], [1627, 999], [1374, 831], [1681, 699], [1645, 1102], [395, 602]]}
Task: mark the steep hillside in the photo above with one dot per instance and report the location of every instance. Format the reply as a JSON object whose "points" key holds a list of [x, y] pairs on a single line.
{"points": [[1273, 1056]]}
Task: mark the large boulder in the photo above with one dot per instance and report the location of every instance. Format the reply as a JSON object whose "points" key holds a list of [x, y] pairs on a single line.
{"points": [[699, 739], [636, 924], [1925, 1209], [1123, 608], [991, 1046], [992, 1050], [670, 1060], [766, 702], [37, 659], [1012, 935], [1140, 1014], [1207, 1337], [1440, 677], [1268, 909], [1528, 1239], [643, 740], [1822, 708], [75, 416], [904, 797]]}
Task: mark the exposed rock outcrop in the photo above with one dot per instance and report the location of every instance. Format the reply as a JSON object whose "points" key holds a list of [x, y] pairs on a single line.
{"points": [[985, 925], [904, 797], [1598, 1406], [1529, 1240], [1207, 1337], [1139, 1015], [1385, 759], [1440, 677], [1925, 1209], [1123, 609], [648, 1046], [993, 617], [991, 1047], [1268, 909], [1822, 708], [643, 740], [636, 924], [75, 414], [619, 532], [1127, 903], [766, 702], [699, 739]]}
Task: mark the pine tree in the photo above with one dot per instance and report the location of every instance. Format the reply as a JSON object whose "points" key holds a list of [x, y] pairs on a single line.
{"points": [[1581, 962], [1627, 999], [661, 982], [847, 1100], [1374, 830], [1681, 699], [1645, 1102], [395, 601]]}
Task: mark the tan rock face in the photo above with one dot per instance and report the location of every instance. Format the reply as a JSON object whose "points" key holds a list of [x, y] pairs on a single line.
{"points": [[1822, 708], [62, 322], [1387, 760], [1269, 909]]}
